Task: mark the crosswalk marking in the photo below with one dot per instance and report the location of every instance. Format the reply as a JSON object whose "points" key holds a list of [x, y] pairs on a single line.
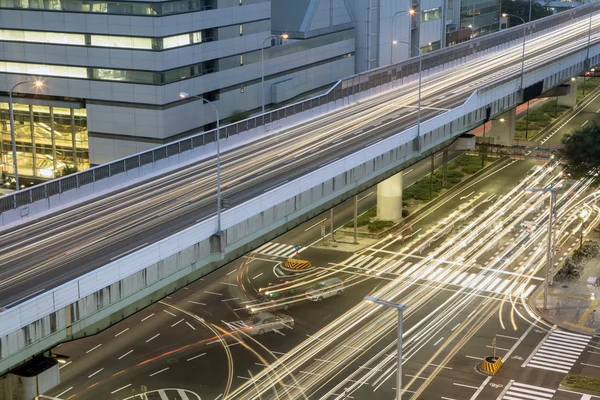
{"points": [[521, 391], [236, 325], [559, 351], [277, 250], [489, 283]]}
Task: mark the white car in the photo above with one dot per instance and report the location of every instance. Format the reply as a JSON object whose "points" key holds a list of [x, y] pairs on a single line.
{"points": [[265, 322], [327, 288]]}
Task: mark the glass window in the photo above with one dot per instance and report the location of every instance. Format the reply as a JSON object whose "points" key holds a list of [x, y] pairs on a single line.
{"points": [[432, 13], [122, 42], [42, 37], [42, 69], [176, 41]]}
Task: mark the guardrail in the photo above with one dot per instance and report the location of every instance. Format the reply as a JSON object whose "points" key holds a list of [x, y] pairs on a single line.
{"points": [[342, 89]]}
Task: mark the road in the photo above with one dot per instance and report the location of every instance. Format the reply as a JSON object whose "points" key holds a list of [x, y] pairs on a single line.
{"points": [[124, 357], [43, 254]]}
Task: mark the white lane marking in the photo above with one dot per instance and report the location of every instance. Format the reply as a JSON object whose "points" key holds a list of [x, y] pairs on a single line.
{"points": [[591, 365], [231, 272], [151, 315], [408, 172], [158, 372], [219, 396], [366, 195], [153, 337], [196, 302], [61, 393], [508, 337], [439, 340], [100, 370], [178, 322], [456, 326], [193, 358], [170, 313], [190, 325], [234, 298], [93, 348], [129, 251], [216, 294], [582, 125], [257, 275], [463, 385], [123, 331], [62, 366], [230, 284], [126, 354], [121, 388], [317, 224]]}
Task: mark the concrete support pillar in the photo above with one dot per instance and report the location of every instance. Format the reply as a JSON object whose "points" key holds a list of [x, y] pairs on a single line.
{"points": [[389, 199], [569, 100], [444, 166], [505, 128]]}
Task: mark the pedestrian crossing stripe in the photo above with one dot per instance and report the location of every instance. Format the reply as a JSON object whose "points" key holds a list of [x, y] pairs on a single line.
{"points": [[476, 281], [559, 351], [236, 325], [278, 250], [522, 391]]}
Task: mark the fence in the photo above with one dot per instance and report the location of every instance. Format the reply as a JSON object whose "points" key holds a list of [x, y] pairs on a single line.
{"points": [[344, 88]]}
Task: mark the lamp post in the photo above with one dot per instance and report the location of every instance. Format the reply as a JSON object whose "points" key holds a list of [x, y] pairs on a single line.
{"points": [[410, 12], [550, 243], [523, 57], [400, 308], [185, 95], [38, 84], [262, 58], [419, 97]]}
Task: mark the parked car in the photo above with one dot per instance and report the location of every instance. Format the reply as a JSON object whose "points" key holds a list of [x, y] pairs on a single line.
{"points": [[272, 301], [327, 288], [265, 322]]}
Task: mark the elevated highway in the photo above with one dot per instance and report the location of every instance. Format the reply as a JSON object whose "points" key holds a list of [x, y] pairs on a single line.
{"points": [[146, 225]]}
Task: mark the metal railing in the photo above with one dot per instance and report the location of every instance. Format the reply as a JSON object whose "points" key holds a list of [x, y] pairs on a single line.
{"points": [[342, 89]]}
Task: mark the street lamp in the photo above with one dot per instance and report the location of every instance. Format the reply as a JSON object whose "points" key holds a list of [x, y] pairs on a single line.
{"points": [[400, 308], [38, 84], [523, 57], [185, 95], [550, 243], [410, 12], [285, 36], [419, 97]]}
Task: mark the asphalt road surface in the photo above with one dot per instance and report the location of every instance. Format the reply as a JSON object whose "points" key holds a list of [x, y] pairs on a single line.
{"points": [[42, 254]]}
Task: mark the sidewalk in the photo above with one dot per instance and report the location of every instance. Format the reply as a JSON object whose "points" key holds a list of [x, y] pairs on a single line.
{"points": [[571, 305]]}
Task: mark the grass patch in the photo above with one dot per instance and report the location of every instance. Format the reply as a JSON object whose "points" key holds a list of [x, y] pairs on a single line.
{"points": [[590, 84], [364, 219], [376, 226], [581, 382]]}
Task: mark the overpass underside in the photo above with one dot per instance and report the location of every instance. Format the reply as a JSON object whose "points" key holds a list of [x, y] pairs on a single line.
{"points": [[104, 297]]}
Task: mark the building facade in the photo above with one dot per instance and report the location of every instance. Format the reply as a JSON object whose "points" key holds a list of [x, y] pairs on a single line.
{"points": [[112, 73]]}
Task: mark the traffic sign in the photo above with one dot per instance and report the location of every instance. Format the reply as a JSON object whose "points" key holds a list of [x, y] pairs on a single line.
{"points": [[322, 230]]}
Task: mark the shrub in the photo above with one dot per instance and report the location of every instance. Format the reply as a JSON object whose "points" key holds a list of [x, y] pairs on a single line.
{"points": [[572, 268], [405, 213], [67, 170], [377, 225], [471, 169], [589, 249], [239, 115]]}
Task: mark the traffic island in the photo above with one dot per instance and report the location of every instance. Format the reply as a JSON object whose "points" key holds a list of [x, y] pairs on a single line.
{"points": [[490, 365], [582, 384], [293, 267]]}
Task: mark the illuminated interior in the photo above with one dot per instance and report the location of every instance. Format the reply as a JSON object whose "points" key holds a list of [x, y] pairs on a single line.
{"points": [[48, 139]]}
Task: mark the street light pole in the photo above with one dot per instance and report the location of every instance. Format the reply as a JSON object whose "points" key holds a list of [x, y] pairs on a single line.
{"points": [[550, 243], [400, 308], [262, 58], [523, 56], [410, 12], [37, 84], [185, 95], [419, 96]]}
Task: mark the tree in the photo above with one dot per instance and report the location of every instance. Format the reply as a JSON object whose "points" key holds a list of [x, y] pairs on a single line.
{"points": [[582, 152], [67, 170], [521, 9]]}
